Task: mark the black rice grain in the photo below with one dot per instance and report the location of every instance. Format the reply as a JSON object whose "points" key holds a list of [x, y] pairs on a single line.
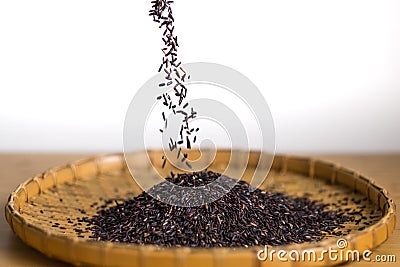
{"points": [[175, 74], [238, 219]]}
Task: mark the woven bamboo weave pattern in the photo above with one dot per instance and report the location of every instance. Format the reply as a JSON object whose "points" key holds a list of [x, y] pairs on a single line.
{"points": [[46, 211]]}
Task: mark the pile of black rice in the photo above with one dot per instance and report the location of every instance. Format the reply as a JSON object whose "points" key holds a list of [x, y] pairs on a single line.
{"points": [[240, 218]]}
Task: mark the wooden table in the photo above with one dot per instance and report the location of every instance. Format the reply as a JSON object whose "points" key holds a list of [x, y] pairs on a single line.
{"points": [[15, 169]]}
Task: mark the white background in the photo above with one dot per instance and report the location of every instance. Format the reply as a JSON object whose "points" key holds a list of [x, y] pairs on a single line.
{"points": [[330, 70]]}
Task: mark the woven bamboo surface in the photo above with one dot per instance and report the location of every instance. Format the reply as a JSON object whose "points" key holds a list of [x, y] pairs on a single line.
{"points": [[44, 212]]}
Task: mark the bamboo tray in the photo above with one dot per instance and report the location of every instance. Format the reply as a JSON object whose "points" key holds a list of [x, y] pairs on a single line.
{"points": [[45, 211]]}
